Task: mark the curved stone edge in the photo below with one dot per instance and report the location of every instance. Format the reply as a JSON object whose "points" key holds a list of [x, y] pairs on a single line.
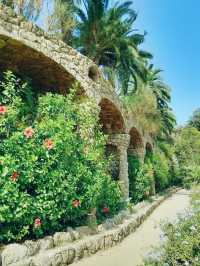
{"points": [[23, 255]]}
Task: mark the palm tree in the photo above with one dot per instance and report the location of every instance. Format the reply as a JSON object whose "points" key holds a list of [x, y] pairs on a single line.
{"points": [[163, 98], [106, 35], [62, 21]]}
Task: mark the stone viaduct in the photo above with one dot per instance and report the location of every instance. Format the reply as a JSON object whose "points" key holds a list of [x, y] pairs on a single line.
{"points": [[52, 65]]}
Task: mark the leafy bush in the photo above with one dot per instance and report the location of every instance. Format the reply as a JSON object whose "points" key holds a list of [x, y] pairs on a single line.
{"points": [[143, 182], [190, 175], [51, 163], [161, 171], [133, 168], [182, 244], [187, 148]]}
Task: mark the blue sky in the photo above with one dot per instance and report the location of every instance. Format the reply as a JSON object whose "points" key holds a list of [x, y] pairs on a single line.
{"points": [[174, 39]]}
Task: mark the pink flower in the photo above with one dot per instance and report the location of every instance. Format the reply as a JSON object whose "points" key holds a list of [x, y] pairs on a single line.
{"points": [[14, 176], [75, 203], [48, 144], [28, 132], [3, 110], [105, 210], [37, 223]]}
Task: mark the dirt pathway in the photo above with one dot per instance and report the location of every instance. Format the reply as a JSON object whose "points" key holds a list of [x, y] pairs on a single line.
{"points": [[132, 250]]}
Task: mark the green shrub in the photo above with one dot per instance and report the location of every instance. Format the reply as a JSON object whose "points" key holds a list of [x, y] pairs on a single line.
{"points": [[133, 168], [144, 181], [187, 148], [161, 171], [51, 163], [190, 175]]}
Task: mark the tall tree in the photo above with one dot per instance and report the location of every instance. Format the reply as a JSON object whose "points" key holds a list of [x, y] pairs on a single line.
{"points": [[62, 20], [163, 98], [106, 34]]}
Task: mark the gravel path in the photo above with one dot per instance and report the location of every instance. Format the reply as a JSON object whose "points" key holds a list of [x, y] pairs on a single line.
{"points": [[132, 250]]}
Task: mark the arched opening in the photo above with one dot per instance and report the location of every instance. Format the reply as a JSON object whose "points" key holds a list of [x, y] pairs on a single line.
{"points": [[112, 123], [135, 150], [46, 74], [93, 73], [148, 152], [136, 142], [112, 154], [110, 118]]}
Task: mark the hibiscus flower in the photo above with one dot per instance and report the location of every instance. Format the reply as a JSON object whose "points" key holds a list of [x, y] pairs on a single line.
{"points": [[105, 210], [2, 110], [48, 144], [28, 132], [14, 176], [75, 203], [37, 223]]}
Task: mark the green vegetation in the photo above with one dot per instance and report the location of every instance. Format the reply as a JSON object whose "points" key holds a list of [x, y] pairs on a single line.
{"points": [[52, 167], [157, 173], [187, 153]]}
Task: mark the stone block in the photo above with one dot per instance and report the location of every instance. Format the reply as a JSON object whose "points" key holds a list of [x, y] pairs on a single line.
{"points": [[46, 243], [32, 247], [74, 234], [13, 253], [62, 238], [84, 231]]}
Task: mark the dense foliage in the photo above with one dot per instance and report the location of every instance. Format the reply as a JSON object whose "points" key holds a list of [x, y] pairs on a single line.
{"points": [[157, 173], [51, 163], [187, 147]]}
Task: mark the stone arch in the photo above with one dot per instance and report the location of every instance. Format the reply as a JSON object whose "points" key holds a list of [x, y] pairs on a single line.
{"points": [[149, 147], [45, 73], [148, 151], [111, 118], [136, 141]]}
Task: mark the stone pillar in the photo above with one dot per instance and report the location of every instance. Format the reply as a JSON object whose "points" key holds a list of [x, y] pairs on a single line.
{"points": [[122, 143], [139, 153]]}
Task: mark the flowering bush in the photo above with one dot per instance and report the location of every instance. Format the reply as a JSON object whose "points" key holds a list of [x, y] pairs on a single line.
{"points": [[52, 169], [182, 243]]}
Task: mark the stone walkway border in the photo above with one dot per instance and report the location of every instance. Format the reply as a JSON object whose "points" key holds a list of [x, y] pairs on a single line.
{"points": [[65, 248]]}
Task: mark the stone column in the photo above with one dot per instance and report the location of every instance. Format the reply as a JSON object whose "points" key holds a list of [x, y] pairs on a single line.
{"points": [[122, 143], [139, 153]]}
